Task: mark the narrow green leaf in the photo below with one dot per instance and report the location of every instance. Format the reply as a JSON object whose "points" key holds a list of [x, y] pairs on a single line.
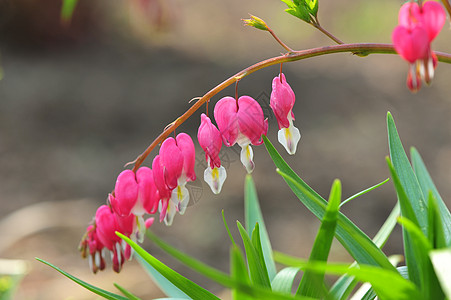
{"points": [[283, 282], [252, 216], [258, 275], [190, 288], [388, 284], [126, 293], [256, 242], [227, 228], [364, 191], [312, 283], [441, 260], [427, 185], [411, 253], [167, 287], [252, 290], [407, 177], [359, 245], [67, 10], [94, 289], [238, 272], [436, 231]]}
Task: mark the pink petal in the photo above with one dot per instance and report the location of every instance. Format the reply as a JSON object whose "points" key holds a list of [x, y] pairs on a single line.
{"points": [[225, 115], [210, 140], [282, 101], [106, 226], [434, 17], [411, 44], [252, 123], [158, 177], [148, 192], [186, 146], [172, 161], [126, 192], [409, 15]]}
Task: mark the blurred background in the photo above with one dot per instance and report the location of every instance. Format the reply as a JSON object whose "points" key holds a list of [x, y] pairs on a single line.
{"points": [[79, 100]]}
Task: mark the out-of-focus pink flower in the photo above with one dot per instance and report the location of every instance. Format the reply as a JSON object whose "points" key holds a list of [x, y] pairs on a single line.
{"points": [[92, 248], [282, 102], [173, 168], [418, 27], [210, 140], [241, 121]]}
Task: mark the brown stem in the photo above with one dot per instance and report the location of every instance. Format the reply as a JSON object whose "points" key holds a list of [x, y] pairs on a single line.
{"points": [[279, 41], [447, 6], [330, 35], [294, 56]]}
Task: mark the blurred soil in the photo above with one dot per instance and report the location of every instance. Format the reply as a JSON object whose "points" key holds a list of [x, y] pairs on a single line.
{"points": [[77, 103]]}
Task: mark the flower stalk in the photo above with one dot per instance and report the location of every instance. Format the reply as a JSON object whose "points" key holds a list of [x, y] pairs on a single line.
{"points": [[289, 57]]}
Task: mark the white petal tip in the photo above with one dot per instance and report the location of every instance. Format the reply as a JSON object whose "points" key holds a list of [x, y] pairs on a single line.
{"points": [[289, 138], [215, 178]]}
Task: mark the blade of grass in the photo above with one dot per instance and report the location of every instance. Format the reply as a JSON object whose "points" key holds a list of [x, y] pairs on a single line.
{"points": [[388, 284], [312, 283], [436, 231], [167, 287], [427, 185], [283, 282], [407, 177], [253, 215], [126, 293], [238, 271], [256, 242], [359, 245], [190, 288], [364, 192], [258, 274], [94, 289]]}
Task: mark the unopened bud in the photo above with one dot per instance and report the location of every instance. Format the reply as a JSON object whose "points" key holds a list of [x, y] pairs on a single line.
{"points": [[256, 22]]}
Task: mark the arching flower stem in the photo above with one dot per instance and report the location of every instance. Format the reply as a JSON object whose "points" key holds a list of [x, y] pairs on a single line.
{"points": [[362, 49]]}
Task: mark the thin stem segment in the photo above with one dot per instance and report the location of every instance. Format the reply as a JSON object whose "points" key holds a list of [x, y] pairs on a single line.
{"points": [[289, 57]]}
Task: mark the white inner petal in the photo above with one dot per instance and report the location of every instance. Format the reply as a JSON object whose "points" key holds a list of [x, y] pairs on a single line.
{"points": [[215, 178], [289, 138], [247, 156]]}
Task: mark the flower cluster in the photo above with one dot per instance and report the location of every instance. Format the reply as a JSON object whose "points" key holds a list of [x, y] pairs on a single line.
{"points": [[418, 27], [163, 188]]}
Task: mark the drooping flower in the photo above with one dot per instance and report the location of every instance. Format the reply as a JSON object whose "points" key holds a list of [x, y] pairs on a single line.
{"points": [[210, 140], [282, 102], [418, 27], [92, 248], [173, 168], [241, 121], [135, 194]]}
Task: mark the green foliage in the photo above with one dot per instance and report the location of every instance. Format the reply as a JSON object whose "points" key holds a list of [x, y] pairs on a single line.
{"points": [[305, 10], [94, 289], [67, 10]]}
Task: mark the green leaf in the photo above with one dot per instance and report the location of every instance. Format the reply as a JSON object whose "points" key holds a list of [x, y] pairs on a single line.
{"points": [[258, 274], [436, 232], [427, 185], [238, 272], [190, 288], [312, 6], [388, 284], [209, 272], [298, 10], [364, 192], [252, 216], [441, 260], [283, 282], [165, 285], [411, 253], [407, 177], [359, 245], [94, 289], [67, 10], [227, 228], [312, 283], [127, 294], [256, 242]]}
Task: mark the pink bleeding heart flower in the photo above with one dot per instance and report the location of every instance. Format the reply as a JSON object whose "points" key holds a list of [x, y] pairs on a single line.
{"points": [[135, 194], [173, 168], [418, 27], [210, 140], [92, 248], [106, 227], [282, 102], [241, 121]]}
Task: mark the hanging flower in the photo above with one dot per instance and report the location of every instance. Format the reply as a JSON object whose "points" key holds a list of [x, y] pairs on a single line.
{"points": [[135, 194], [241, 121], [210, 140], [418, 27], [173, 168], [282, 102]]}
